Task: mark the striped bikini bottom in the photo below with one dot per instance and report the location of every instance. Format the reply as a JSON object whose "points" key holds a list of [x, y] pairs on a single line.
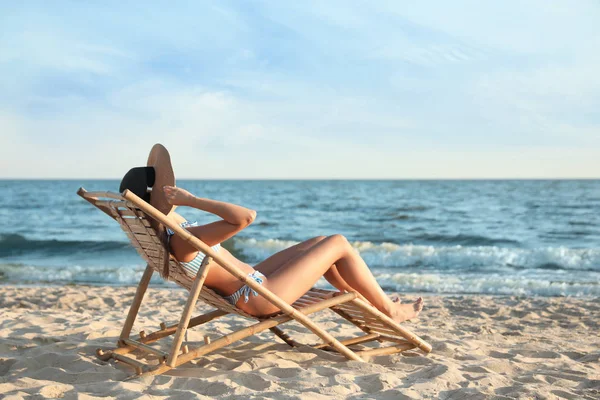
{"points": [[191, 268], [245, 290]]}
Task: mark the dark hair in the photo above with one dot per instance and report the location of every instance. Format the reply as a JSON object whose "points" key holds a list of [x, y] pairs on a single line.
{"points": [[138, 180]]}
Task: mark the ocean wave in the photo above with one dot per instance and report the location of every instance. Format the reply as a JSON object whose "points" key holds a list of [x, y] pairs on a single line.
{"points": [[377, 255], [582, 223], [390, 255], [491, 284], [411, 282], [16, 245], [549, 271], [417, 208], [112, 275], [465, 240]]}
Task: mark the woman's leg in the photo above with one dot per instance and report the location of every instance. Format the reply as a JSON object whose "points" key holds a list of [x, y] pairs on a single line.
{"points": [[277, 260], [299, 274], [271, 264]]}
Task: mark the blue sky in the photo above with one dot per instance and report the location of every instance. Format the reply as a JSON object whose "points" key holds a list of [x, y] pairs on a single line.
{"points": [[323, 89]]}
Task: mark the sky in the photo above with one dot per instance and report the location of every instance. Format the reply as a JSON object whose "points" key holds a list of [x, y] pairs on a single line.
{"points": [[310, 89]]}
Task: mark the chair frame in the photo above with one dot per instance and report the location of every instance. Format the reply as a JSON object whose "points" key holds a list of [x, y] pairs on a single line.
{"points": [[139, 219]]}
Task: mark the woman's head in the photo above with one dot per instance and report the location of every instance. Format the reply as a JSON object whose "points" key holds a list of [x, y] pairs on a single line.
{"points": [[139, 180], [157, 173]]}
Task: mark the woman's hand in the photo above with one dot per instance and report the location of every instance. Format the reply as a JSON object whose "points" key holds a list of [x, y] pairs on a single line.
{"points": [[177, 196]]}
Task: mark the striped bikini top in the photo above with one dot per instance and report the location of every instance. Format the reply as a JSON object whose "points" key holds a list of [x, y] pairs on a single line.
{"points": [[192, 267]]}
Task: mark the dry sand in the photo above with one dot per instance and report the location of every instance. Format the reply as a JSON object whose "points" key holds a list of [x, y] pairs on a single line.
{"points": [[483, 347]]}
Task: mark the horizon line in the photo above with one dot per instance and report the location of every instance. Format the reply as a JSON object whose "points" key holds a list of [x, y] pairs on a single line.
{"points": [[325, 179]]}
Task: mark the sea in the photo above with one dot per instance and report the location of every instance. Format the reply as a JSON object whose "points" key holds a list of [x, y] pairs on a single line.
{"points": [[492, 237]]}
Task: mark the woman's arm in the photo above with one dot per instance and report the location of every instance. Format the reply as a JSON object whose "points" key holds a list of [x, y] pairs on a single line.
{"points": [[232, 213], [235, 218]]}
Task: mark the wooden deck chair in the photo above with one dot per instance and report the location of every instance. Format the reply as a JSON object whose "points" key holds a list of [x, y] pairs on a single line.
{"points": [[137, 218]]}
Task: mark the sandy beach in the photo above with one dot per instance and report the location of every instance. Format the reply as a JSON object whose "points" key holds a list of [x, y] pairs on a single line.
{"points": [[483, 347]]}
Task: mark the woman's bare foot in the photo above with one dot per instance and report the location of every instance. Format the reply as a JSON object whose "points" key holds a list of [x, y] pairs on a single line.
{"points": [[176, 196], [395, 298], [404, 312]]}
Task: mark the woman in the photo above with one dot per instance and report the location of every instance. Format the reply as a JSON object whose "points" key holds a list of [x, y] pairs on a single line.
{"points": [[289, 273]]}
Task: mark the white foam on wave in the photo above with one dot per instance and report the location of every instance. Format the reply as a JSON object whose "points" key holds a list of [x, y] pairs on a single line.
{"points": [[122, 275], [440, 283], [551, 271], [257, 250], [404, 268], [390, 255], [497, 284]]}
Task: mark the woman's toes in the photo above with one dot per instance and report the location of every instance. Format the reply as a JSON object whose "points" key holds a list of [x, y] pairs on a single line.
{"points": [[419, 304]]}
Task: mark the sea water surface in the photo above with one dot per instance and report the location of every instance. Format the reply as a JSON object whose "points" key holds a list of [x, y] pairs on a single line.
{"points": [[453, 237]]}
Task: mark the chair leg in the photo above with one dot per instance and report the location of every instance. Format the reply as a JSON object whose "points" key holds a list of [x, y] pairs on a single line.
{"points": [[284, 336], [387, 321], [137, 301], [187, 312]]}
